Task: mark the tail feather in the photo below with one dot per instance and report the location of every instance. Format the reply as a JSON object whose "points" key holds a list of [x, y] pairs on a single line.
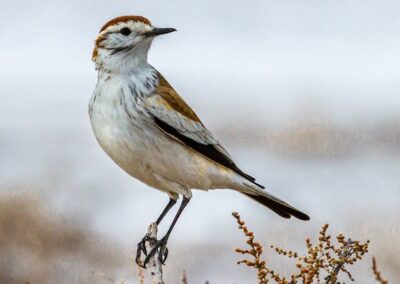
{"points": [[281, 208], [277, 205]]}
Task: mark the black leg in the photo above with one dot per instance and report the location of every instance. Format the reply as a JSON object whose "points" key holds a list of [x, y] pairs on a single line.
{"points": [[185, 201], [141, 246], [170, 204], [162, 244]]}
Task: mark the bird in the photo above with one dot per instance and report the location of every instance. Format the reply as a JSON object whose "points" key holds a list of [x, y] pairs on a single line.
{"points": [[151, 133]]}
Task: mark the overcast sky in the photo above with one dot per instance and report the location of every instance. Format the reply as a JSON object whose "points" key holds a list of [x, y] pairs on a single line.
{"points": [[341, 57]]}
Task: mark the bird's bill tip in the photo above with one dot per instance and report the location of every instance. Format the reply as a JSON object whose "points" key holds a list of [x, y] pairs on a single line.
{"points": [[159, 31]]}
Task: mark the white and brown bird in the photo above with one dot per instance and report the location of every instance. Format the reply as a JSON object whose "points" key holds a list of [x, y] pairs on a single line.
{"points": [[142, 123]]}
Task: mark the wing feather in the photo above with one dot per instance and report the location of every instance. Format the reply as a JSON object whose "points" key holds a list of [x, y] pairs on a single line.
{"points": [[173, 116]]}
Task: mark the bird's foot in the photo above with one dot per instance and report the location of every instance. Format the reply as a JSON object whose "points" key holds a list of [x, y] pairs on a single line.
{"points": [[157, 246], [141, 248], [160, 248]]}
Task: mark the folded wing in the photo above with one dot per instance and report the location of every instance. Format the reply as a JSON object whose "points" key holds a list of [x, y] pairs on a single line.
{"points": [[174, 117]]}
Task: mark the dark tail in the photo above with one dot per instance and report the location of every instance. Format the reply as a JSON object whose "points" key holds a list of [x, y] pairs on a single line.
{"points": [[278, 206]]}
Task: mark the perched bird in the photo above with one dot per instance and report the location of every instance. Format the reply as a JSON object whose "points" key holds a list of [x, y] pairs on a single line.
{"points": [[142, 123]]}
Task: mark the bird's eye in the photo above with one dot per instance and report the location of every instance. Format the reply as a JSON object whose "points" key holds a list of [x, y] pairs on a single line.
{"points": [[125, 31]]}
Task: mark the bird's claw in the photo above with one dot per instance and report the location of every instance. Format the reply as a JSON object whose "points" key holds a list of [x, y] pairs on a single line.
{"points": [[141, 247], [160, 248]]}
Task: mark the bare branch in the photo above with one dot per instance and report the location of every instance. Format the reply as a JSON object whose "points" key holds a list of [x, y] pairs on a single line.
{"points": [[154, 266], [377, 273]]}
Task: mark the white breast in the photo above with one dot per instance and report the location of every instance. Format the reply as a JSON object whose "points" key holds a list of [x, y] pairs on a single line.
{"points": [[129, 136], [117, 125]]}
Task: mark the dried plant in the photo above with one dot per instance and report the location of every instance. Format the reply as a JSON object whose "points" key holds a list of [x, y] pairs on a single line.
{"points": [[322, 263], [184, 278], [377, 273], [140, 274], [255, 251]]}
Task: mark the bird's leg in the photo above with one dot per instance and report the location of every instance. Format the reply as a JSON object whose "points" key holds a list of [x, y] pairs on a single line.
{"points": [[141, 247], [161, 246], [170, 204]]}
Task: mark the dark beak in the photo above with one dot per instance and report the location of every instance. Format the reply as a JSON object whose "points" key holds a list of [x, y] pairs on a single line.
{"points": [[159, 31]]}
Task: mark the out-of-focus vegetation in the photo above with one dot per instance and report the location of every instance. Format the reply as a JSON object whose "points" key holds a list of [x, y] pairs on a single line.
{"points": [[37, 245]]}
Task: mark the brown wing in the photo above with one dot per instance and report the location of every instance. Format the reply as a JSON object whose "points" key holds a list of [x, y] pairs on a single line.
{"points": [[168, 93], [171, 114]]}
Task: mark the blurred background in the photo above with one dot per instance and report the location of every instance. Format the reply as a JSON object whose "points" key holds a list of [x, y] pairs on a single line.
{"points": [[304, 94]]}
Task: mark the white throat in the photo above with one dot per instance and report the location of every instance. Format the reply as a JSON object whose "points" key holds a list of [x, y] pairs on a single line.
{"points": [[125, 62]]}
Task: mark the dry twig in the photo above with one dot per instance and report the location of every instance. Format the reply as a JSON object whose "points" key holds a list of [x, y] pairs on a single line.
{"points": [[377, 273], [322, 263], [154, 266], [184, 278]]}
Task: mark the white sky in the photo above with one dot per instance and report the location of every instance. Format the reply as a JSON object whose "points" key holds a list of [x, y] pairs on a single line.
{"points": [[270, 57]]}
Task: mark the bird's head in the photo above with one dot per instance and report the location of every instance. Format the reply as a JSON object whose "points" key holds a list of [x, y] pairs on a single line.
{"points": [[123, 42]]}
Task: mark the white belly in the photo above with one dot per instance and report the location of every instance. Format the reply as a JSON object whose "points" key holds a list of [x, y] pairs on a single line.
{"points": [[122, 137], [144, 152]]}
